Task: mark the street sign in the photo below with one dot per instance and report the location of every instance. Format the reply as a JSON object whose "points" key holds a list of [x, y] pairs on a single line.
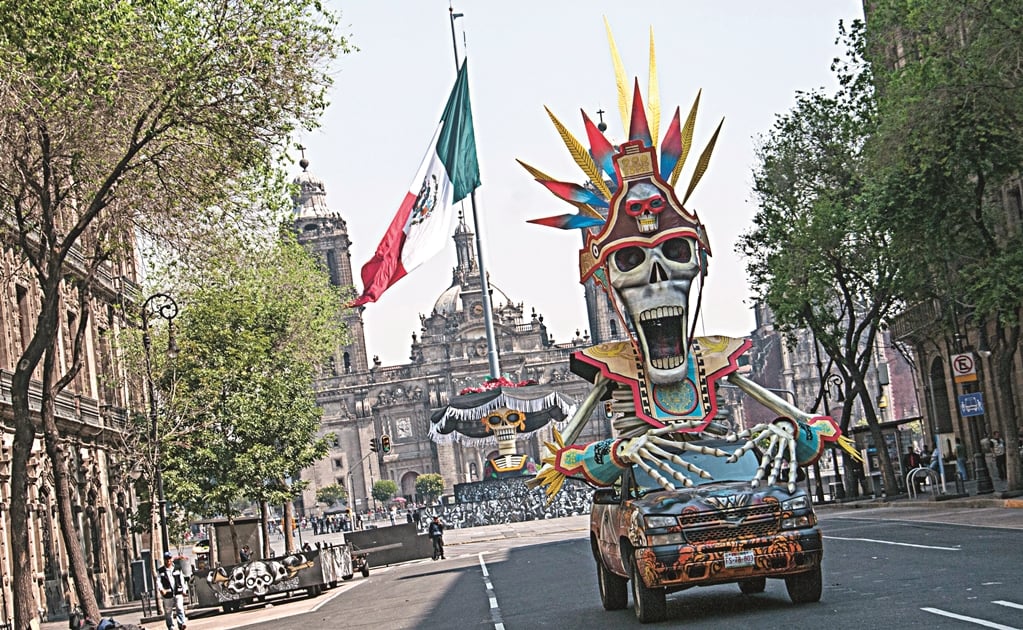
{"points": [[964, 368], [971, 404]]}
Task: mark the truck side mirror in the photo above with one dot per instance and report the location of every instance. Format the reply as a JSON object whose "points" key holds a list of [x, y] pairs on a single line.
{"points": [[605, 496]]}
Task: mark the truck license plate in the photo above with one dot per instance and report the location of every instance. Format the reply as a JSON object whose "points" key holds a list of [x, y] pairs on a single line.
{"points": [[738, 559]]}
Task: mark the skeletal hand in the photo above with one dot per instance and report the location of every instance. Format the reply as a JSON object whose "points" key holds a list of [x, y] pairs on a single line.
{"points": [[648, 452], [777, 440]]}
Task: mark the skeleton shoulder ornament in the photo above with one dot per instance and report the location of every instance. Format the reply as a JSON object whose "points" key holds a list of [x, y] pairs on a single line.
{"points": [[649, 254]]}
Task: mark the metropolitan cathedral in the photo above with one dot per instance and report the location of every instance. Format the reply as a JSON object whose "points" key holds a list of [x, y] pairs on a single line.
{"points": [[363, 400]]}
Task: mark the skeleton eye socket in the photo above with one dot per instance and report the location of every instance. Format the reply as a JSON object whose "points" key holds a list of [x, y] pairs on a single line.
{"points": [[677, 249], [628, 258], [494, 420], [513, 417]]}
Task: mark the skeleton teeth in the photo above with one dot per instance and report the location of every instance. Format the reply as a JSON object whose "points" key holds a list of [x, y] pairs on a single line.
{"points": [[661, 312]]}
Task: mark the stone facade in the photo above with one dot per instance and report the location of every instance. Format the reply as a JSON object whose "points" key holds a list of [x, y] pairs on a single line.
{"points": [[91, 414]]}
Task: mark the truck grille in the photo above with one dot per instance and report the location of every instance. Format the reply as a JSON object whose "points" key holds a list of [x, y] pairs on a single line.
{"points": [[746, 522]]}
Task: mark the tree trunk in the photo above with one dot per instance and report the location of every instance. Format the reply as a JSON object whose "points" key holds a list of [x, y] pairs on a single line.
{"points": [[1010, 417], [26, 608], [289, 525], [234, 536], [84, 587], [23, 593], [264, 525], [891, 482]]}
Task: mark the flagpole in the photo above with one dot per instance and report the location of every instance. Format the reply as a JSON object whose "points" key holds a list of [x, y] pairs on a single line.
{"points": [[488, 309]]}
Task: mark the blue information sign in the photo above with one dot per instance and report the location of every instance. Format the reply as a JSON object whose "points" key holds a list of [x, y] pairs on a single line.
{"points": [[971, 404]]}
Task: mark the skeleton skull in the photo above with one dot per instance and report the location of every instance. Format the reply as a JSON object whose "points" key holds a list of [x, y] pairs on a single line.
{"points": [[654, 283], [504, 423], [644, 202]]}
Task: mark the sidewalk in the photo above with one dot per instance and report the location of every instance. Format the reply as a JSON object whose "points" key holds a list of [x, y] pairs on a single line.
{"points": [[949, 500]]}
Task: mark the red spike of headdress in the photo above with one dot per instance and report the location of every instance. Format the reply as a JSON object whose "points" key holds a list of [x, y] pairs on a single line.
{"points": [[638, 127]]}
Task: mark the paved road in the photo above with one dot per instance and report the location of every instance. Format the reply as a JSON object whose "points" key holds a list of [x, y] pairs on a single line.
{"points": [[911, 564]]}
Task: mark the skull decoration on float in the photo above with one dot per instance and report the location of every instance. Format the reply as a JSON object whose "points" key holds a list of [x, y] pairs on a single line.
{"points": [[650, 253], [501, 411]]}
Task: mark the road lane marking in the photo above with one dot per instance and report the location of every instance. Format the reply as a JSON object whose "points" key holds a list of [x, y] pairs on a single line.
{"points": [[890, 542], [1001, 602], [495, 610], [979, 622]]}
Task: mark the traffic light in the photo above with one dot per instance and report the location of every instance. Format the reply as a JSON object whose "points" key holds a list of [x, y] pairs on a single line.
{"points": [[385, 443], [373, 445]]}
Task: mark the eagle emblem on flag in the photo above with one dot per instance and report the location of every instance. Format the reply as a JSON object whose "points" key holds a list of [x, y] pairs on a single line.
{"points": [[426, 200]]}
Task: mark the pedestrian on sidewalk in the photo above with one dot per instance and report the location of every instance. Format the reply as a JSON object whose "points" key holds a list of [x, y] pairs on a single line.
{"points": [[998, 450], [436, 532], [960, 452], [172, 589]]}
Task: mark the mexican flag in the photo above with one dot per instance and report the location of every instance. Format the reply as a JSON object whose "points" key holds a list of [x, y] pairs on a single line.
{"points": [[421, 228]]}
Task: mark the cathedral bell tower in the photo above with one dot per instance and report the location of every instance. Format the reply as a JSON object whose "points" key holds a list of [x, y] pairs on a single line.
{"points": [[325, 235]]}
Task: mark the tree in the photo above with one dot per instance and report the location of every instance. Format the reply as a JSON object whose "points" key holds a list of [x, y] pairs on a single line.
{"points": [[945, 159], [120, 119], [384, 490], [430, 486], [332, 494], [252, 336], [819, 253]]}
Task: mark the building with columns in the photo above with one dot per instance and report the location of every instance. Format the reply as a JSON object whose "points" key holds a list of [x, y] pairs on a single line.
{"points": [[362, 400]]}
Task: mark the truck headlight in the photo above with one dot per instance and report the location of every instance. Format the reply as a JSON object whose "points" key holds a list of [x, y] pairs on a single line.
{"points": [[654, 522], [797, 503], [799, 522]]}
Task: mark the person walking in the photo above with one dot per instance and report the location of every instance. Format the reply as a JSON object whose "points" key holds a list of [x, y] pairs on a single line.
{"points": [[998, 450], [436, 532], [172, 589], [960, 452]]}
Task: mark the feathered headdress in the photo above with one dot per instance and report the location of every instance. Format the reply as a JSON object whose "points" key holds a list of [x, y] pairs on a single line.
{"points": [[612, 210]]}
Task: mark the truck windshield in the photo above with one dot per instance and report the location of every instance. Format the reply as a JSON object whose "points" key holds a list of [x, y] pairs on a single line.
{"points": [[718, 467]]}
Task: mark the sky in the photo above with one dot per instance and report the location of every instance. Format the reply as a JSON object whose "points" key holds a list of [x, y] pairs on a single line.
{"points": [[749, 58]]}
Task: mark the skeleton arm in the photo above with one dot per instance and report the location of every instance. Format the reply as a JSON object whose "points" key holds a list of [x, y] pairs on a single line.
{"points": [[796, 437]]}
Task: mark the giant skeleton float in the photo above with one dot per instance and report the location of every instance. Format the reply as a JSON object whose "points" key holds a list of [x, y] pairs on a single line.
{"points": [[646, 251]]}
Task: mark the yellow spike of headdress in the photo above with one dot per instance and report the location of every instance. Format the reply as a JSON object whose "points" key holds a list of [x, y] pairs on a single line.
{"points": [[624, 106], [653, 92], [581, 156]]}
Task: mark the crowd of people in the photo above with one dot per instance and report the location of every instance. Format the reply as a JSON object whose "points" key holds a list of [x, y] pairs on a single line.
{"points": [[508, 501], [992, 446]]}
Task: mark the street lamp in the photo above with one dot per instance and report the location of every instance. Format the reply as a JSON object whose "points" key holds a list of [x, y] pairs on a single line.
{"points": [[164, 306], [834, 380]]}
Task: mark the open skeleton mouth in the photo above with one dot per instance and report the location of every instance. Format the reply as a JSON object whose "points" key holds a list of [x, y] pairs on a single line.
{"points": [[663, 333]]}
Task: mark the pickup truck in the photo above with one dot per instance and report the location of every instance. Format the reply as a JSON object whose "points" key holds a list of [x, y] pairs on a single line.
{"points": [[720, 530]]}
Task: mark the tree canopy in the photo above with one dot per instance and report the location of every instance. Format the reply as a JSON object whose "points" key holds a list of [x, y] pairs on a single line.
{"points": [[244, 419], [125, 124], [384, 490], [819, 253], [430, 486], [946, 162]]}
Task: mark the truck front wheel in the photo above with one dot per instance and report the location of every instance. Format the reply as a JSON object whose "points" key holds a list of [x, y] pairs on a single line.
{"points": [[649, 602], [805, 588]]}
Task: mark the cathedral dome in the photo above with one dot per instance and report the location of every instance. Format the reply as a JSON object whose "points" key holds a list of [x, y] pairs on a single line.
{"points": [[450, 301], [311, 197]]}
